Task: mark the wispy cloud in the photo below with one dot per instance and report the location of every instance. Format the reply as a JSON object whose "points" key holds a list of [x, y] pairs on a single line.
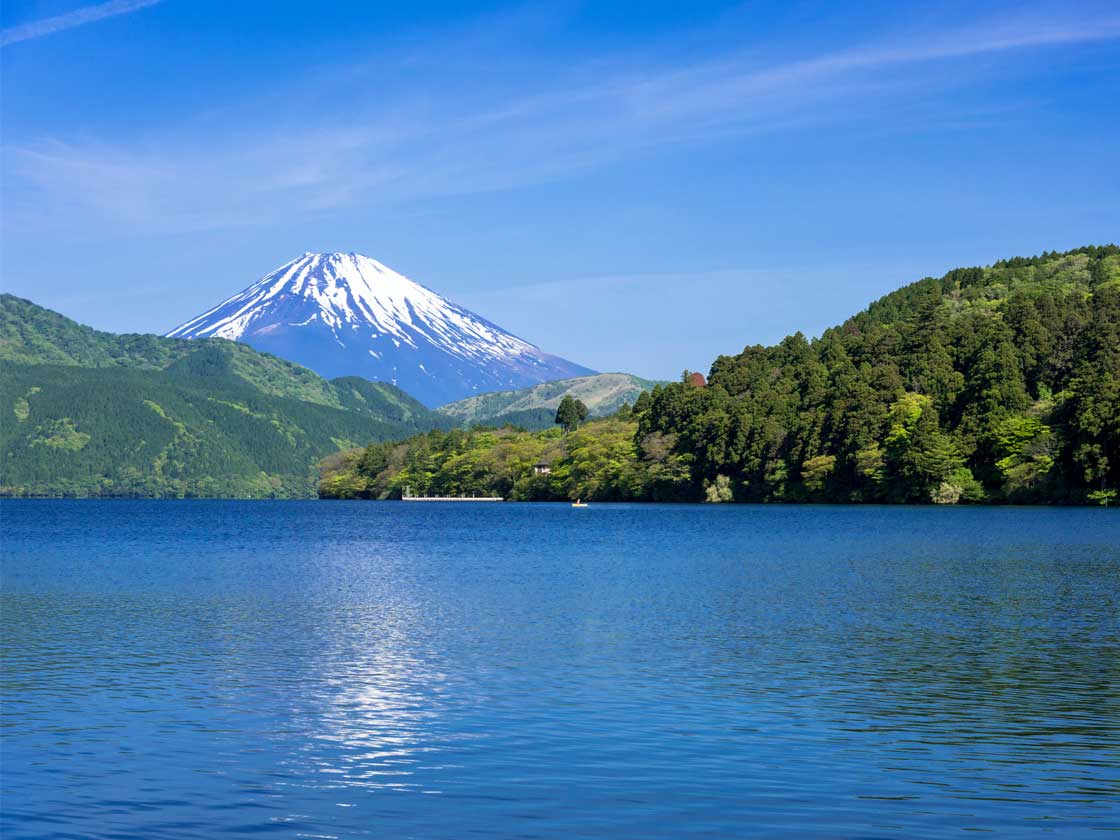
{"points": [[382, 149], [78, 17]]}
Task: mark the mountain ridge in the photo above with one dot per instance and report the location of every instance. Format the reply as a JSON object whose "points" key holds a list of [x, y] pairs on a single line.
{"points": [[33, 334], [89, 413], [347, 314], [534, 407]]}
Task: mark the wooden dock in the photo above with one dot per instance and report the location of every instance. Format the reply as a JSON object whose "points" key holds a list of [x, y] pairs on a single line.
{"points": [[407, 496]]}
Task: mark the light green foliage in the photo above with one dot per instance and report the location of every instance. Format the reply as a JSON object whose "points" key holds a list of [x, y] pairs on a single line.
{"points": [[815, 471], [22, 408], [718, 490], [904, 415], [958, 486], [869, 463], [180, 428], [945, 493], [1026, 445], [1103, 497], [967, 488], [244, 409], [59, 434], [931, 457], [599, 461]]}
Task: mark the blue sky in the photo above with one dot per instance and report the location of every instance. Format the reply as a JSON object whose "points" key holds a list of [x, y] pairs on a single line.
{"points": [[636, 186]]}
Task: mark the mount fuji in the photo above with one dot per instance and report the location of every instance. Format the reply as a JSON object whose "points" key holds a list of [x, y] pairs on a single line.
{"points": [[349, 315]]}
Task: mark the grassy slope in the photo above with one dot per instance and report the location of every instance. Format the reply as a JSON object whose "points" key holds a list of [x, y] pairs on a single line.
{"points": [[535, 406]]}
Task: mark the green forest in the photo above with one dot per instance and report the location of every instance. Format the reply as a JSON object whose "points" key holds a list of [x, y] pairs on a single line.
{"points": [[986, 385], [85, 413], [598, 460]]}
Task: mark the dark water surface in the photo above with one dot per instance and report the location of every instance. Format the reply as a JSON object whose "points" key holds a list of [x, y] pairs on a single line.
{"points": [[201, 669]]}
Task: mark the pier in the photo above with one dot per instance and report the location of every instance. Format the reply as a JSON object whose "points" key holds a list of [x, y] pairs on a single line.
{"points": [[407, 496]]}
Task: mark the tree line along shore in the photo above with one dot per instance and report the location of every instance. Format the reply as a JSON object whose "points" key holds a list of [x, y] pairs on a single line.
{"points": [[987, 385]]}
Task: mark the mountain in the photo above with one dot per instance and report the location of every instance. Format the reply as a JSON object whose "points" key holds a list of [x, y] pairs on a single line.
{"points": [[349, 315], [88, 413], [994, 384], [535, 407]]}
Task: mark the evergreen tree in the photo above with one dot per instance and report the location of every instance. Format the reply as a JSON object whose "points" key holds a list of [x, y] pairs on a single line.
{"points": [[570, 413]]}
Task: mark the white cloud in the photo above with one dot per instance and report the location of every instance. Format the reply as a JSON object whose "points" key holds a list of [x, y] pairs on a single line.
{"points": [[203, 175], [78, 17]]}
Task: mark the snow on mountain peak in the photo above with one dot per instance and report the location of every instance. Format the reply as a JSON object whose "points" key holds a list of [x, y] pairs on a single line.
{"points": [[343, 314]]}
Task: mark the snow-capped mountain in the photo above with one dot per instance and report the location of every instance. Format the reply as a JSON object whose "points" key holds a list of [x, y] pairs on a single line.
{"points": [[349, 315]]}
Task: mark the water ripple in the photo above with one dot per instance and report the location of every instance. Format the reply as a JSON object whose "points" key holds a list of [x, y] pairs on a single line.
{"points": [[194, 669]]}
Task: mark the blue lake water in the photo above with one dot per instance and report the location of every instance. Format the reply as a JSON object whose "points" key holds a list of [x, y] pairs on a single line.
{"points": [[202, 669]]}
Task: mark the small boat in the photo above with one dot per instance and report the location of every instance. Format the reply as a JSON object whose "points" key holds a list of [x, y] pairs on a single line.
{"points": [[578, 503]]}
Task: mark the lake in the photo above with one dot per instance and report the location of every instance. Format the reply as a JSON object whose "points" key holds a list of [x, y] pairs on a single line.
{"points": [[337, 670]]}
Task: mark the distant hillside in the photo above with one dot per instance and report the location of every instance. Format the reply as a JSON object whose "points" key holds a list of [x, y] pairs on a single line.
{"points": [[534, 407], [88, 413], [31, 334]]}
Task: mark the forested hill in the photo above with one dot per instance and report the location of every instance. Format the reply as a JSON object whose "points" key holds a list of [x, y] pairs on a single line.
{"points": [[88, 413], [31, 334], [997, 384]]}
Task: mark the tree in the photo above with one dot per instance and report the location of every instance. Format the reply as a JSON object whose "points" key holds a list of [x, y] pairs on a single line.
{"points": [[920, 456], [1026, 446], [815, 471], [719, 490], [642, 403], [1093, 408], [570, 413]]}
